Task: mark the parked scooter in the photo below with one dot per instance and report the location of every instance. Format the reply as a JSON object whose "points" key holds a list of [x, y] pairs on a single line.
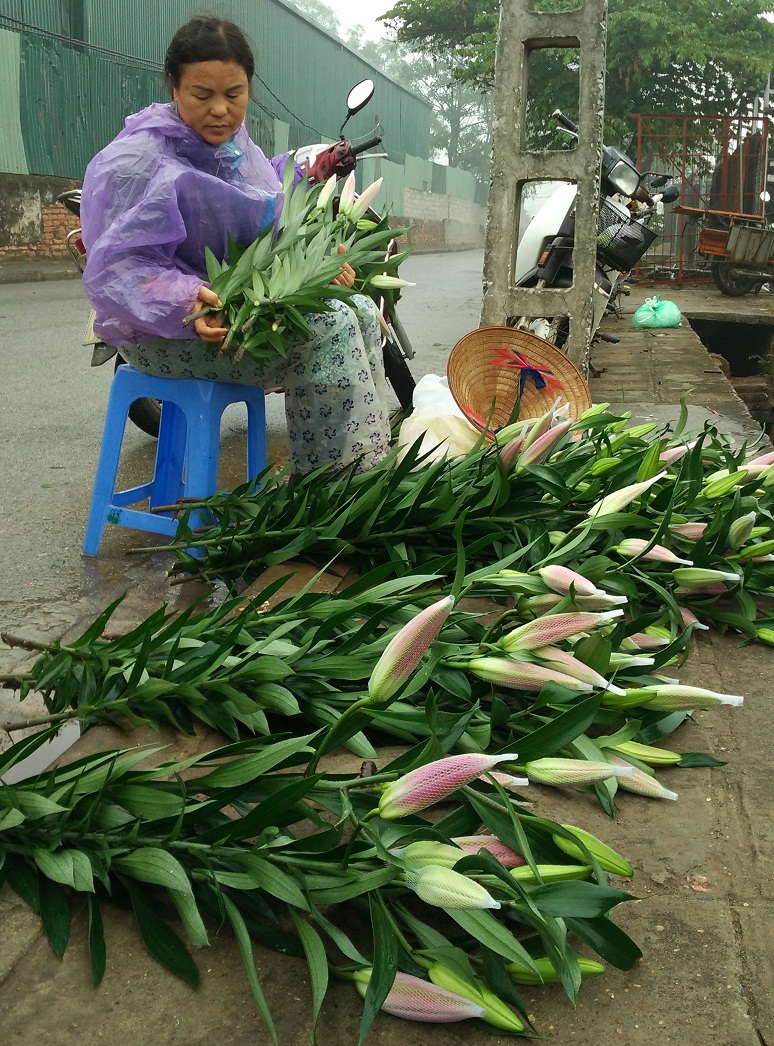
{"points": [[544, 256], [396, 347]]}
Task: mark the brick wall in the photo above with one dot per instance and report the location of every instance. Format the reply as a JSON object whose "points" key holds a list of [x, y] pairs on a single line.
{"points": [[32, 223]]}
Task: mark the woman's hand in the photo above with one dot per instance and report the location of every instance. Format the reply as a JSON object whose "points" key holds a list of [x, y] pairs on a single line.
{"points": [[346, 277], [209, 327]]}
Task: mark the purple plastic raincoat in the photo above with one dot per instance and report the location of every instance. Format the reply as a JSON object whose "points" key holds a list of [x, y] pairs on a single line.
{"points": [[152, 199]]}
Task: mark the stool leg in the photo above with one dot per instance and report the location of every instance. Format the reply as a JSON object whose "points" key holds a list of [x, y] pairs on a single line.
{"points": [[256, 434], [107, 470], [170, 456]]}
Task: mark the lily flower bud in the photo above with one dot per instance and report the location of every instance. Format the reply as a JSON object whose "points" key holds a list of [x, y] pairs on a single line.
{"points": [[605, 855], [762, 548], [405, 650], [723, 482], [551, 873], [562, 579], [642, 783], [691, 531], [435, 781], [347, 198], [325, 194], [643, 641], [553, 628], [620, 499], [620, 661], [558, 771], [766, 635], [510, 453], [547, 972], [540, 448], [599, 601], [445, 888], [645, 753], [364, 201], [672, 697], [538, 428], [690, 620], [564, 661], [521, 675], [670, 455], [543, 603], [757, 465], [496, 1012], [690, 576], [384, 282], [418, 1000], [471, 844], [508, 781], [632, 547], [429, 851], [740, 530]]}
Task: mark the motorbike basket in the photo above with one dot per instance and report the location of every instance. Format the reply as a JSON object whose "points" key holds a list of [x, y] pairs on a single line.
{"points": [[621, 242]]}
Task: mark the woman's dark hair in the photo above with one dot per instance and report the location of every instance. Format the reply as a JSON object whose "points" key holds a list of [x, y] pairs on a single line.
{"points": [[207, 39]]}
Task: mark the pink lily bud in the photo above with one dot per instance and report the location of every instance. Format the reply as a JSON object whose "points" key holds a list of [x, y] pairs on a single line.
{"points": [[558, 771], [553, 628], [404, 651], [471, 844], [521, 675], [540, 449], [620, 499], [418, 1000], [642, 783], [672, 697], [445, 888], [670, 455], [364, 200], [429, 851], [690, 620], [538, 428], [511, 783], [760, 464], [543, 603], [643, 641], [497, 1013], [562, 579], [435, 781], [565, 662], [510, 453], [688, 577], [691, 531], [701, 590], [631, 547]]}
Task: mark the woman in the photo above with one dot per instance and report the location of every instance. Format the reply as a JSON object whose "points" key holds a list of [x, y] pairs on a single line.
{"points": [[184, 176]]}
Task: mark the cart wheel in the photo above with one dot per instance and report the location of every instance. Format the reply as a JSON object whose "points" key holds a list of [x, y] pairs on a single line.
{"points": [[729, 283]]}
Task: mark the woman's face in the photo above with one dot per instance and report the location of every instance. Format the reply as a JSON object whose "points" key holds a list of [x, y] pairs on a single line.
{"points": [[212, 99]]}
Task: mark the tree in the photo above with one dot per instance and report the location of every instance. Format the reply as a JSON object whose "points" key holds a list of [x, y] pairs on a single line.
{"points": [[319, 13], [460, 131], [705, 57]]}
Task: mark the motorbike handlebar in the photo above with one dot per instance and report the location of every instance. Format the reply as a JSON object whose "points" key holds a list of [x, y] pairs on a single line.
{"points": [[356, 150], [565, 121]]}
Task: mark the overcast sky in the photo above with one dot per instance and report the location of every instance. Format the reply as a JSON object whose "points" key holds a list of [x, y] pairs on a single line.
{"points": [[360, 12]]}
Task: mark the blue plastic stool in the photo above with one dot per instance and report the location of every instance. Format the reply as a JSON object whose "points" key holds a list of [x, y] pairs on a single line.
{"points": [[187, 454]]}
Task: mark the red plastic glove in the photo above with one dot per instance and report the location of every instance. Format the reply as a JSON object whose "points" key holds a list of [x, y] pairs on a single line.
{"points": [[337, 159]]}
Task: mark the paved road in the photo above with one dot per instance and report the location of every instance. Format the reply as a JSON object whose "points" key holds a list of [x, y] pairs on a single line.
{"points": [[53, 407]]}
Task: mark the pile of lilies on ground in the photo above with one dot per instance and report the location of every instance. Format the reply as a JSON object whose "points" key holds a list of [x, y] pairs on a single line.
{"points": [[513, 622]]}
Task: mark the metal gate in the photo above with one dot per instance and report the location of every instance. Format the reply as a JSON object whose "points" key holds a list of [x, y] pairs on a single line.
{"points": [[722, 163]]}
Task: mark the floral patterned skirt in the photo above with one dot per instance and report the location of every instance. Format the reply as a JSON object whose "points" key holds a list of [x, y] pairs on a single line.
{"points": [[335, 389]]}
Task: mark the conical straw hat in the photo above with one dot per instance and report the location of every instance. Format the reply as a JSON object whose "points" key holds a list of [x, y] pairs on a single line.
{"points": [[492, 368]]}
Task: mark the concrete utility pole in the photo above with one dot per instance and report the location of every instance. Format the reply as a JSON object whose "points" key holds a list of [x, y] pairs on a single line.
{"points": [[522, 31]]}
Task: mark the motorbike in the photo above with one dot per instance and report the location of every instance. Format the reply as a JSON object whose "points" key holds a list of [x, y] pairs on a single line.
{"points": [[626, 206], [739, 248], [396, 346]]}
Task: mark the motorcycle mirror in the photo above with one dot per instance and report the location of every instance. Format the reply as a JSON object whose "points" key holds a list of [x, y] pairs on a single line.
{"points": [[658, 180], [359, 96], [670, 194]]}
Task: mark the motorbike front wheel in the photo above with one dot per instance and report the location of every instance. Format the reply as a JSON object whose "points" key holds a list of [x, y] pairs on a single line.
{"points": [[728, 283], [145, 413]]}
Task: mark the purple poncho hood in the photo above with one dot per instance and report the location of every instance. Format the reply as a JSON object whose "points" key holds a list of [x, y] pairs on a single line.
{"points": [[152, 200]]}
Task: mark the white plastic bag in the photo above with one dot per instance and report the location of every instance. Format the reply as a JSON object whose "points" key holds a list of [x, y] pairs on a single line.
{"points": [[438, 422]]}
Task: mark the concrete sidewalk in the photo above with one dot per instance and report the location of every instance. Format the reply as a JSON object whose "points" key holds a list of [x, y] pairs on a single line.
{"points": [[704, 866]]}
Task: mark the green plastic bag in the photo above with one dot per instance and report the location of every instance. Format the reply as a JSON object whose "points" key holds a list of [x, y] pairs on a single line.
{"points": [[657, 313]]}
